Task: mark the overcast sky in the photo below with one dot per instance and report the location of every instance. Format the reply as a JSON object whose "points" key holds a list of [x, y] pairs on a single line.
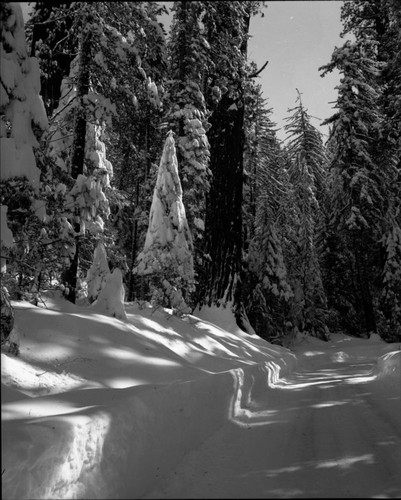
{"points": [[296, 37]]}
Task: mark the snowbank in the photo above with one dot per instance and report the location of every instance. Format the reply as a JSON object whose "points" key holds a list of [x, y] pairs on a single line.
{"points": [[389, 367], [101, 407], [98, 407]]}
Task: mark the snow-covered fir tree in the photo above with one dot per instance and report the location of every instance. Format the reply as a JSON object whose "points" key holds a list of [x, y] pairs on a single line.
{"points": [[363, 174], [307, 160], [22, 111], [265, 287], [111, 297], [167, 256], [82, 120], [98, 273], [186, 112], [22, 114]]}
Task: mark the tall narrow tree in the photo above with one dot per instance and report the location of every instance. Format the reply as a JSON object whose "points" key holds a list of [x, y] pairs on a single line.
{"points": [[226, 30], [357, 186], [167, 257], [307, 161]]}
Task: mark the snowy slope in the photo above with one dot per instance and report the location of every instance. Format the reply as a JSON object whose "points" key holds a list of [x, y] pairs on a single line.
{"points": [[96, 407]]}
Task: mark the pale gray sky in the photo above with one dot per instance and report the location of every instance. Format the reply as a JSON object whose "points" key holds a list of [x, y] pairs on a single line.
{"points": [[296, 37]]}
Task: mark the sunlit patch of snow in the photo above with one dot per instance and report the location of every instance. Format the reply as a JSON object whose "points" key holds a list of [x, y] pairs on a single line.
{"points": [[329, 404], [346, 462], [125, 354], [276, 472], [340, 357], [35, 381], [62, 457], [243, 411], [122, 382], [37, 407], [360, 380], [312, 353]]}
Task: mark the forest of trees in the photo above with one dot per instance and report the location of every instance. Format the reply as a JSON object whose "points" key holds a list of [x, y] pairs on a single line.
{"points": [[124, 148]]}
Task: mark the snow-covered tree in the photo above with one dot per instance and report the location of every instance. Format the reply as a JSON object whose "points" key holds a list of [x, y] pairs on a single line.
{"points": [[110, 300], [307, 160], [167, 257], [22, 113], [76, 142], [107, 101], [389, 324], [51, 41], [362, 178], [97, 273], [186, 112], [226, 29], [266, 290]]}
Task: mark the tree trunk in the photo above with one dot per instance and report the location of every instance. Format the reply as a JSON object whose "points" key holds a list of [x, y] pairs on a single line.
{"points": [[221, 275], [78, 148], [364, 292], [223, 234]]}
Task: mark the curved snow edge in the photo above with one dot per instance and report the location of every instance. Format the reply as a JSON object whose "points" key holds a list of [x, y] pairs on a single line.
{"points": [[163, 439], [123, 449]]}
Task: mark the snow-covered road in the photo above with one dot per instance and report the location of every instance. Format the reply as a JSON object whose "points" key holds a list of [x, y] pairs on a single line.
{"points": [[157, 406], [330, 429]]}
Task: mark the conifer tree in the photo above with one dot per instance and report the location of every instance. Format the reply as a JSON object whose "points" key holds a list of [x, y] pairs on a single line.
{"points": [[50, 39], [98, 272], [226, 26], [186, 114], [368, 126], [167, 257], [85, 117], [134, 141], [21, 114], [357, 186], [266, 290], [23, 119], [307, 161]]}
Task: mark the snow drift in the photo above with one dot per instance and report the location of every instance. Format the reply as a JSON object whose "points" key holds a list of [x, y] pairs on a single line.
{"points": [[100, 407]]}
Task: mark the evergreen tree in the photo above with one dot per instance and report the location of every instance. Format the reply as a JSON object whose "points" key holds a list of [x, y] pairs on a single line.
{"points": [[390, 298], [375, 179], [51, 40], [98, 273], [23, 119], [357, 187], [186, 112], [133, 142], [21, 114], [167, 257], [226, 26], [84, 116], [307, 160], [266, 291]]}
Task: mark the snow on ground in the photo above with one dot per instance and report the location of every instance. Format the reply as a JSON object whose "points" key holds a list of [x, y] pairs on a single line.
{"points": [[97, 407]]}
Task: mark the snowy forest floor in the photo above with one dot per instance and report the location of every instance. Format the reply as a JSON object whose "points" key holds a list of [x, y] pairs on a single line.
{"points": [[162, 407]]}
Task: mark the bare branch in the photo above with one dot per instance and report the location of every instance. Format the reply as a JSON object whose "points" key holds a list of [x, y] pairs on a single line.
{"points": [[256, 73]]}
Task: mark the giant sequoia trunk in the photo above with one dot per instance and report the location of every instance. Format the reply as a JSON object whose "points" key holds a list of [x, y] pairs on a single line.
{"points": [[219, 280], [78, 149], [223, 238]]}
